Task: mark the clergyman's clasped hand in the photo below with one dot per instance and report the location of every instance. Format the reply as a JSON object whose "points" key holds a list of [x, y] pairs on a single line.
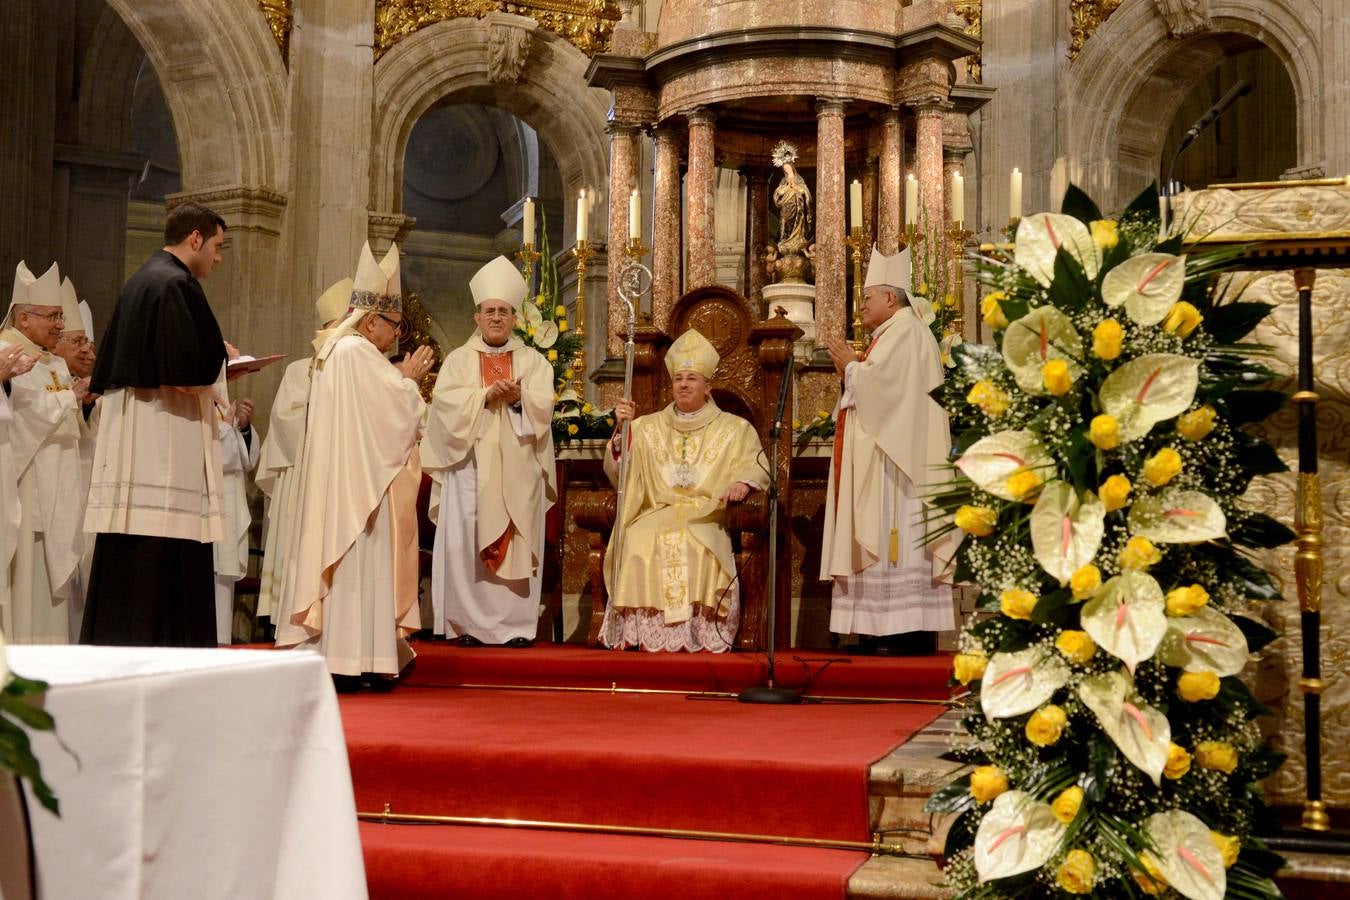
{"points": [[417, 363]]}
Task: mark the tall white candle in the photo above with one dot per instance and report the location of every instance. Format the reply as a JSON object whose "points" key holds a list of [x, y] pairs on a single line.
{"points": [[1015, 195], [529, 221], [958, 198], [634, 215], [911, 201], [855, 216], [582, 215]]}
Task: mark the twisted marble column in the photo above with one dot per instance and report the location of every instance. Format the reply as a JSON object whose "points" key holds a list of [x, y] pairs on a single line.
{"points": [[829, 257], [666, 226], [702, 198], [890, 183], [623, 156], [756, 235]]}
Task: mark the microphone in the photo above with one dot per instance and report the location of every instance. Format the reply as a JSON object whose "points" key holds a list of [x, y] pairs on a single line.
{"points": [[782, 399], [1241, 89]]}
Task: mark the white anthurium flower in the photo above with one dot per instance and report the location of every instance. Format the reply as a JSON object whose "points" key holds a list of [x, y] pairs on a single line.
{"points": [[1041, 335], [1039, 238], [1186, 856], [1146, 285], [1148, 390], [1017, 834], [1205, 641], [1140, 732], [6, 676], [1066, 532], [948, 343], [990, 461], [571, 412], [1177, 516], [528, 316], [1127, 617], [568, 395], [1016, 683], [546, 335], [923, 308]]}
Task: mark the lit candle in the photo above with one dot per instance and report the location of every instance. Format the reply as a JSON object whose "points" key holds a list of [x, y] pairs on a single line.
{"points": [[1015, 195], [958, 198], [911, 201], [634, 216], [855, 217], [529, 221], [581, 216]]}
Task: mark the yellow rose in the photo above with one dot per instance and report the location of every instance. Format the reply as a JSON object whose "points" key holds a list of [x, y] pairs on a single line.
{"points": [[1023, 483], [1055, 375], [529, 332], [992, 311], [1017, 604], [1162, 467], [586, 408], [796, 424], [1077, 873], [968, 667], [1107, 338], [1139, 553], [1150, 881], [1046, 725], [1182, 319], [1178, 761], [1076, 646], [822, 415], [1184, 601], [1197, 423], [1196, 686], [562, 325], [571, 429], [977, 521], [1104, 233], [567, 374], [987, 782], [1115, 492], [1065, 806], [949, 301], [988, 398], [560, 310], [1229, 847], [1216, 755], [1104, 432], [1085, 581], [553, 356]]}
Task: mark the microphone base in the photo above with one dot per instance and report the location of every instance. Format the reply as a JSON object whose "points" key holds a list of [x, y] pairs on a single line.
{"points": [[772, 695]]}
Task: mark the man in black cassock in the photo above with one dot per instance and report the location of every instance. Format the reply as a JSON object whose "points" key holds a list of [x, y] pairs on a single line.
{"points": [[155, 492]]}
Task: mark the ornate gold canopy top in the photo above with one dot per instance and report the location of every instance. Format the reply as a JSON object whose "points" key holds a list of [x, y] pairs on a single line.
{"points": [[972, 11], [278, 14], [587, 24], [1086, 16]]}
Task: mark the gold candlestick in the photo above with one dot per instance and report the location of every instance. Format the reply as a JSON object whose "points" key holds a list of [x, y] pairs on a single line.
{"points": [[527, 256], [858, 240], [634, 249], [583, 252], [957, 236]]}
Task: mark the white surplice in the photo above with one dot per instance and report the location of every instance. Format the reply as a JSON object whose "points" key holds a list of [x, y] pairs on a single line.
{"points": [[237, 459], [10, 514], [277, 478]]}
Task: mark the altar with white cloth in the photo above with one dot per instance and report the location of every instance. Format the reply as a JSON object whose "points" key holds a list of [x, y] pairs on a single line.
{"points": [[192, 773]]}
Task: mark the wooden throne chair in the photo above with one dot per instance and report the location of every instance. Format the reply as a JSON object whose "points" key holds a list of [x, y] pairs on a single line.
{"points": [[754, 358]]}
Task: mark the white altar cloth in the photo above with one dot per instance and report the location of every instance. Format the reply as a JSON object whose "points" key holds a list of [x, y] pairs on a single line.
{"points": [[193, 774]]}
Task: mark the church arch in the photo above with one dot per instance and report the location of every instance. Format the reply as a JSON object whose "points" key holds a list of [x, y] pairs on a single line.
{"points": [[1123, 92]]}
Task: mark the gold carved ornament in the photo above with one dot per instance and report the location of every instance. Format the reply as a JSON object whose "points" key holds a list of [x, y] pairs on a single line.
{"points": [[279, 16], [1086, 17], [586, 24], [971, 11], [417, 332]]}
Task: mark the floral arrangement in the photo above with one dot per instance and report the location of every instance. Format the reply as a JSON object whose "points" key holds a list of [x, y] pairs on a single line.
{"points": [[820, 427], [934, 283], [542, 324], [19, 709], [1099, 462]]}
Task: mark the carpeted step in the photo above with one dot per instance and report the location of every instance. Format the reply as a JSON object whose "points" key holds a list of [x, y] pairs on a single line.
{"points": [[623, 759], [411, 862], [815, 672]]}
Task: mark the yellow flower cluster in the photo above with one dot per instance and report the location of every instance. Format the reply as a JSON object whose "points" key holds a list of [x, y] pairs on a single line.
{"points": [[1017, 604], [987, 782], [1178, 761], [1229, 847], [1139, 553], [1076, 646], [1218, 756], [1184, 601], [1196, 424], [1065, 806], [1182, 319], [1115, 492], [1104, 432], [553, 356], [1056, 376], [988, 398], [1046, 725], [1196, 686], [968, 667], [992, 310], [1023, 483], [977, 521], [1162, 467], [1107, 339], [1077, 873], [1085, 581]]}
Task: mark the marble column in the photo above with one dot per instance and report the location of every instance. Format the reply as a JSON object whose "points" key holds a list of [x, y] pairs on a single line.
{"points": [[829, 258], [666, 251], [756, 235], [890, 182], [928, 170], [623, 157], [702, 199], [868, 178]]}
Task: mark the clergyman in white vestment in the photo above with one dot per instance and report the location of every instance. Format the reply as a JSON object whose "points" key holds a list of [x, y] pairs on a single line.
{"points": [[238, 456], [13, 361]]}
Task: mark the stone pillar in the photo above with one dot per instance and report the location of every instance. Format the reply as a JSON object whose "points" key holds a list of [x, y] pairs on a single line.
{"points": [[666, 251], [756, 235], [829, 258], [702, 199], [890, 182], [623, 156], [29, 43], [928, 170]]}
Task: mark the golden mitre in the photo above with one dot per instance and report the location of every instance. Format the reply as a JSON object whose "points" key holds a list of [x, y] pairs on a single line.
{"points": [[691, 352]]}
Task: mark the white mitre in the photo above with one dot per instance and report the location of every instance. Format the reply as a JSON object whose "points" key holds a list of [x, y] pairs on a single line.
{"points": [[332, 303], [692, 352], [377, 287], [897, 271], [87, 319], [33, 291], [499, 280], [70, 307]]}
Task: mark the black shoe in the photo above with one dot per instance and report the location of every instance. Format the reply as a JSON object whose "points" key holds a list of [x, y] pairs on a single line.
{"points": [[379, 684], [519, 642], [347, 684], [468, 640], [866, 646], [911, 643]]}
